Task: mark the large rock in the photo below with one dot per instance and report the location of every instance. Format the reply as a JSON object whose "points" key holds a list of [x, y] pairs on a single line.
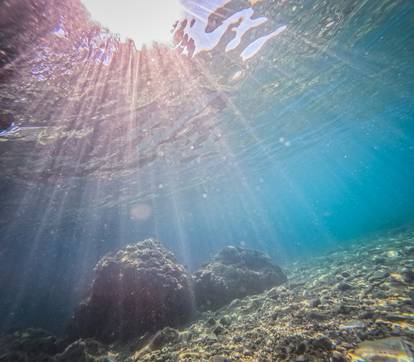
{"points": [[33, 345], [36, 345], [137, 290], [234, 273]]}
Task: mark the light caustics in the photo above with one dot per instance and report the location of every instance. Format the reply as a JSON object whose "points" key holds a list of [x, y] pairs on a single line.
{"points": [[142, 21]]}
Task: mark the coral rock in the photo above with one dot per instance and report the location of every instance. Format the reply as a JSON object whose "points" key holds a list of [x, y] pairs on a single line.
{"points": [[234, 273], [139, 289]]}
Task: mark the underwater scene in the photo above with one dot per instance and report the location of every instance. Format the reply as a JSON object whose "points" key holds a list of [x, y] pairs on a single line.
{"points": [[206, 180]]}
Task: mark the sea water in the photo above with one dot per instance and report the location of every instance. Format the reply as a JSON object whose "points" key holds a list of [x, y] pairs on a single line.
{"points": [[281, 126]]}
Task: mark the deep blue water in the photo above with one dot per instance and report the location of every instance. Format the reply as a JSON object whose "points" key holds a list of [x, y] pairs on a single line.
{"points": [[320, 160]]}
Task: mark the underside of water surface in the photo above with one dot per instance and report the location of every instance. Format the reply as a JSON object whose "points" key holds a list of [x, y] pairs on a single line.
{"points": [[212, 180]]}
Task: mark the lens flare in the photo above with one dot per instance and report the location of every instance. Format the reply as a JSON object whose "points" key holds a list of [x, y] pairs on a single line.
{"points": [[140, 212]]}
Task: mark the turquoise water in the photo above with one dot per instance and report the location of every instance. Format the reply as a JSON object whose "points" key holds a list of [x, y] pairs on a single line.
{"points": [[293, 145]]}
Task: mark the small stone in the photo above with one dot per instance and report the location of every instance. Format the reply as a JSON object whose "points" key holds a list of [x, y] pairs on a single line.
{"points": [[211, 322], [302, 347], [378, 259], [392, 254], [323, 343], [346, 346], [237, 339], [343, 309], [338, 357], [218, 330], [343, 286], [379, 294], [80, 351], [408, 275], [165, 336], [379, 275], [393, 317], [352, 325], [210, 338], [219, 359], [409, 250], [367, 315], [301, 358], [317, 316], [225, 321], [315, 302]]}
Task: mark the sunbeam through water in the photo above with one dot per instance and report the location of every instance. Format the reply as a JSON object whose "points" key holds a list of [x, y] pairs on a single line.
{"points": [[213, 180]]}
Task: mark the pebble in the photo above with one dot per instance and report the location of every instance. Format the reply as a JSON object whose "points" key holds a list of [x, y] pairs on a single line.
{"points": [[211, 322], [302, 347], [367, 315], [379, 260], [338, 357], [353, 324], [343, 309], [317, 316], [237, 339], [219, 359], [323, 343], [225, 321], [343, 286], [408, 275], [301, 358], [164, 337], [379, 275], [315, 302], [219, 330]]}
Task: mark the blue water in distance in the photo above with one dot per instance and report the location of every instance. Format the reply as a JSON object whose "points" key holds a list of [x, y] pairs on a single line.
{"points": [[315, 169]]}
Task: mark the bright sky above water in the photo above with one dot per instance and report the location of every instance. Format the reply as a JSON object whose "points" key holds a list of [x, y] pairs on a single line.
{"points": [[144, 21]]}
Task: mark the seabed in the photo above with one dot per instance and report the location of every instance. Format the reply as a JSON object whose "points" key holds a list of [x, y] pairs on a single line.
{"points": [[351, 304]]}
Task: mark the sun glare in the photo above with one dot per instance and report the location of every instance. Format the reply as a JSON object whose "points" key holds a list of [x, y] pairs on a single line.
{"points": [[143, 21]]}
